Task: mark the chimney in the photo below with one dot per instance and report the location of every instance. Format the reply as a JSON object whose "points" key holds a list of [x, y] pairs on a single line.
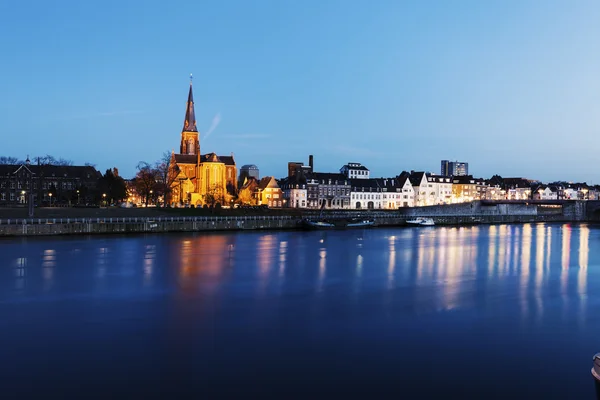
{"points": [[310, 162]]}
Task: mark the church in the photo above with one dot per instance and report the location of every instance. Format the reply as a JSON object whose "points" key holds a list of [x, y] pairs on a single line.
{"points": [[199, 179]]}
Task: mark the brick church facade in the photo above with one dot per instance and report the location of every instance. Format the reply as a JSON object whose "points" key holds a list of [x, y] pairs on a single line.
{"points": [[199, 179]]}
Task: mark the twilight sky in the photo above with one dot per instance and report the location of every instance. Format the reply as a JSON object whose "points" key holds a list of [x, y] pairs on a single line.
{"points": [[512, 87]]}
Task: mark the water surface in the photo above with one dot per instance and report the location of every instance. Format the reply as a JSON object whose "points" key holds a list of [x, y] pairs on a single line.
{"points": [[484, 312]]}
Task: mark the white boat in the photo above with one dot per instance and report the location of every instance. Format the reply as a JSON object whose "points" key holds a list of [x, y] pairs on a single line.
{"points": [[421, 221]]}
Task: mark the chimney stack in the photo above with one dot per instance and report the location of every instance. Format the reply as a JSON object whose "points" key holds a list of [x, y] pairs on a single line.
{"points": [[310, 162]]}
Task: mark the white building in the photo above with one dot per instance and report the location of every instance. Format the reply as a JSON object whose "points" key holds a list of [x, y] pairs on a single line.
{"points": [[382, 193], [294, 192], [546, 193], [355, 171], [431, 189]]}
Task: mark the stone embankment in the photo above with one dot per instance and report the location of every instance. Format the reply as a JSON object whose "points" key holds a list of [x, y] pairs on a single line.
{"points": [[478, 212]]}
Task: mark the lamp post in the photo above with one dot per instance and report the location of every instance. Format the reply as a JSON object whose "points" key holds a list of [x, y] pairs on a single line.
{"points": [[50, 194], [78, 196], [104, 198], [23, 196], [151, 191]]}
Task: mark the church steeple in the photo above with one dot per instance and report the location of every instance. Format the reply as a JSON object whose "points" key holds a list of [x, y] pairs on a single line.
{"points": [[190, 142], [189, 125]]}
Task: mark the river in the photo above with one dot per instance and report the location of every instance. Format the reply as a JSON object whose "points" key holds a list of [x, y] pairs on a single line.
{"points": [[500, 311]]}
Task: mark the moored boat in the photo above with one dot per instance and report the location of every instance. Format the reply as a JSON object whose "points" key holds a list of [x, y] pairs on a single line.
{"points": [[421, 222], [360, 223], [316, 224]]}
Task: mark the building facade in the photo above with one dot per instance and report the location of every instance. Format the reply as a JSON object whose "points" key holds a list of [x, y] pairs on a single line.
{"points": [[269, 193], [294, 191], [200, 179], [355, 171], [48, 184], [247, 171], [454, 168]]}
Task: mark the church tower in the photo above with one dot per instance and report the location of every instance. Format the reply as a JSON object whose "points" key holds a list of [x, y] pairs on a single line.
{"points": [[190, 143]]}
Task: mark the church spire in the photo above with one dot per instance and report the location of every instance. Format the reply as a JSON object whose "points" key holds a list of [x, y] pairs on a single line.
{"points": [[189, 125]]}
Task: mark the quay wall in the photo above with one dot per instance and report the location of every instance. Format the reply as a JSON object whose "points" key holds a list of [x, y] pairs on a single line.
{"points": [[455, 214], [77, 226]]}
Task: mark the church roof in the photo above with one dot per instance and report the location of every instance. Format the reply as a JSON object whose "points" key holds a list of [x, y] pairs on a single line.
{"points": [[186, 158], [189, 124], [212, 157], [227, 160]]}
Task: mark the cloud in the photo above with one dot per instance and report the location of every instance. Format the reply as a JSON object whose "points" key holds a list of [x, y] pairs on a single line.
{"points": [[99, 115], [215, 122]]}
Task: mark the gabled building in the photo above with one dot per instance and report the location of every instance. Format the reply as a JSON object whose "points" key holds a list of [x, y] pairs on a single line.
{"points": [[545, 192], [198, 177], [408, 192], [269, 193], [424, 196], [431, 189]]}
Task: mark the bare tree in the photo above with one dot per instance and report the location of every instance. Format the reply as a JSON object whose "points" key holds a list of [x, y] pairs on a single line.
{"points": [[145, 181], [164, 176], [51, 160], [10, 160]]}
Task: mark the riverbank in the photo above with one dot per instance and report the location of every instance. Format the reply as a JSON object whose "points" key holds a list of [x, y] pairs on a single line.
{"points": [[74, 221]]}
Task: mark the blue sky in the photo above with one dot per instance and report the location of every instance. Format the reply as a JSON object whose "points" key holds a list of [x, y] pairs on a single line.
{"points": [[512, 87]]}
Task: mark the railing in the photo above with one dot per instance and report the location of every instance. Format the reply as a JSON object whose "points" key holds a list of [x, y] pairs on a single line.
{"points": [[133, 220]]}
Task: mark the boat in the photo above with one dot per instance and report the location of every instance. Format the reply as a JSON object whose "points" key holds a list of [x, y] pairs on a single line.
{"points": [[421, 222], [317, 224], [360, 223]]}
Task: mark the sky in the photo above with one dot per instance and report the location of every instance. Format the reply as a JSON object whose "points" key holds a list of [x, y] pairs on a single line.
{"points": [[511, 87]]}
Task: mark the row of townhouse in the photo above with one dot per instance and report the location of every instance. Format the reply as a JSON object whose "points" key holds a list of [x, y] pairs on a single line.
{"points": [[353, 188], [566, 191]]}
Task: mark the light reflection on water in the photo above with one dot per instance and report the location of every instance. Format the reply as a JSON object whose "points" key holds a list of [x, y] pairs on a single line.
{"points": [[456, 262], [373, 285]]}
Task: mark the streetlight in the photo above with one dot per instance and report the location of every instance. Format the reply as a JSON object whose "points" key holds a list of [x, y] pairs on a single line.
{"points": [[104, 198], [23, 196], [77, 196], [50, 194], [151, 191]]}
